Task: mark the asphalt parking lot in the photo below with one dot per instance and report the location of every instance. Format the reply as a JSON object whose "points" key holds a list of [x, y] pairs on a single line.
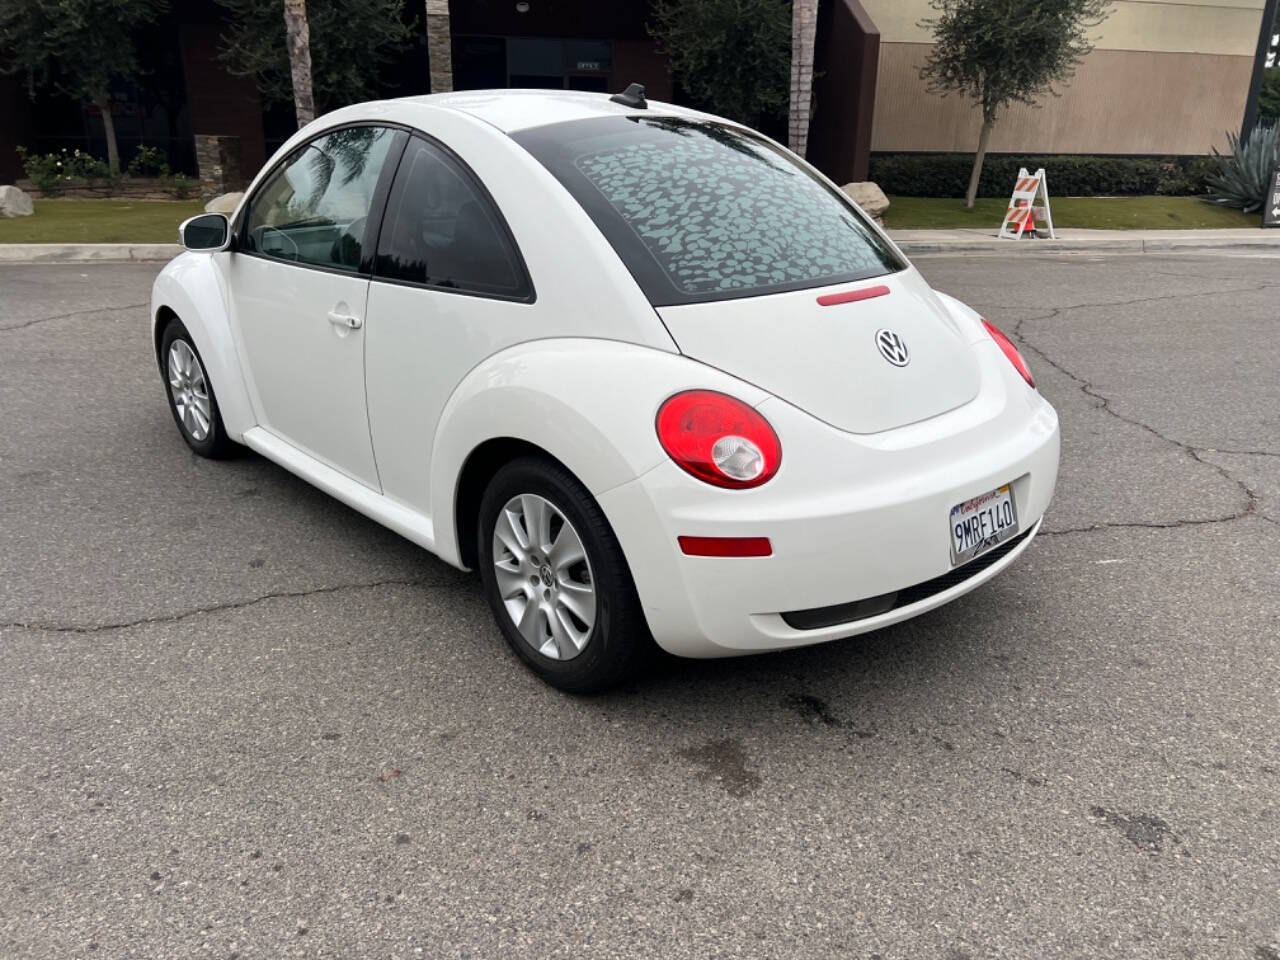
{"points": [[240, 720]]}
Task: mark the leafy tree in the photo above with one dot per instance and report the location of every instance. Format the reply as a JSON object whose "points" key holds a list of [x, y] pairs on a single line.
{"points": [[350, 41], [731, 55], [999, 52], [79, 47], [1269, 96]]}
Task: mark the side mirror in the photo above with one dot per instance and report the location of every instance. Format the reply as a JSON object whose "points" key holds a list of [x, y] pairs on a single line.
{"points": [[209, 232]]}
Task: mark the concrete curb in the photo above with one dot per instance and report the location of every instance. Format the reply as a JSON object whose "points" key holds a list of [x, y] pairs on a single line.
{"points": [[1006, 247], [1191, 244], [1123, 242], [80, 252], [1118, 245]]}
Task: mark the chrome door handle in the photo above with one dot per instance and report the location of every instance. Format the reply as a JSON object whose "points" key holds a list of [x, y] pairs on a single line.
{"points": [[345, 320]]}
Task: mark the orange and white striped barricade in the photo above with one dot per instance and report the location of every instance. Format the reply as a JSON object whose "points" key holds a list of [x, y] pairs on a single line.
{"points": [[1023, 208]]}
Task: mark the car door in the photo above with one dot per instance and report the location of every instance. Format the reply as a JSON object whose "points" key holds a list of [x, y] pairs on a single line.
{"points": [[299, 282], [449, 289]]}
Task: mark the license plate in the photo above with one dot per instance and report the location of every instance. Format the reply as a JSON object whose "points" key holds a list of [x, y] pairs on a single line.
{"points": [[979, 524]]}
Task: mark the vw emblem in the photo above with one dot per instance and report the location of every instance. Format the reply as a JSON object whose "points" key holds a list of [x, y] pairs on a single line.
{"points": [[892, 347]]}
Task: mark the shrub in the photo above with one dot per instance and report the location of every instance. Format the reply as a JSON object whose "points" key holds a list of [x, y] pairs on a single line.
{"points": [[51, 171], [947, 174], [149, 162], [43, 169], [1185, 177], [180, 184], [1243, 178], [84, 166]]}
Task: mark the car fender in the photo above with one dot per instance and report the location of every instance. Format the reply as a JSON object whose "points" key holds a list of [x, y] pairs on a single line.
{"points": [[589, 403], [968, 319], [192, 286]]}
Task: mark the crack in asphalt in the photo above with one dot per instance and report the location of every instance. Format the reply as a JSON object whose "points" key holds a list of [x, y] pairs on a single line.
{"points": [[1249, 510], [52, 627], [74, 313], [1155, 298], [1240, 453], [1152, 524], [1183, 274], [1251, 499]]}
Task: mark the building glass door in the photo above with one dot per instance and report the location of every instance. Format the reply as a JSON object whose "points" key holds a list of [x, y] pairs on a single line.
{"points": [[532, 62]]}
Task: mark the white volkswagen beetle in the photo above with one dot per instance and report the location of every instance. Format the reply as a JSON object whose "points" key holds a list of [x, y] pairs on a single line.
{"points": [[651, 374]]}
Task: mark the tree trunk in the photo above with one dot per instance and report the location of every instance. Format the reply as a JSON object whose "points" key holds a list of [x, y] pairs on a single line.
{"points": [[439, 46], [981, 155], [103, 103], [804, 24], [298, 35]]}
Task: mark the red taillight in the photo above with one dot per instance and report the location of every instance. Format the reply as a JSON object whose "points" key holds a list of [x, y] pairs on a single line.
{"points": [[718, 439], [1010, 351], [726, 546]]}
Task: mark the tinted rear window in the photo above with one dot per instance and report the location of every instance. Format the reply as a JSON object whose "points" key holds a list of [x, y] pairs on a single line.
{"points": [[699, 211], [440, 230]]}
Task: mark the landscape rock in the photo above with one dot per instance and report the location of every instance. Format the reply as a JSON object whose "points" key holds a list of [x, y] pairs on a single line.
{"points": [[224, 203], [15, 203], [870, 198]]}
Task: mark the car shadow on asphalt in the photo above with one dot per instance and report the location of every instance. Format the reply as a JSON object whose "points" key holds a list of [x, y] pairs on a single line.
{"points": [[951, 644]]}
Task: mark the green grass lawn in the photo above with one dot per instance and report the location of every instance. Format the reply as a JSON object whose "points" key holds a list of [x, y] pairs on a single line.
{"points": [[156, 221], [1098, 213], [100, 221]]}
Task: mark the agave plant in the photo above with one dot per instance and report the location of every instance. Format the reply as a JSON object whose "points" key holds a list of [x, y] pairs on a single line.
{"points": [[1244, 175]]}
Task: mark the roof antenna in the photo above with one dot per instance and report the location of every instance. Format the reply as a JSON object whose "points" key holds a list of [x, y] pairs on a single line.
{"points": [[633, 96]]}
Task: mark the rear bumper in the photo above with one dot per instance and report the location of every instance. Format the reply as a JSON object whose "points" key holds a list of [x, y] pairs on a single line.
{"points": [[849, 517]]}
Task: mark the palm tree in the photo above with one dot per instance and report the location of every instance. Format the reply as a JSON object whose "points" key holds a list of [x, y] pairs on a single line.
{"points": [[804, 24], [298, 38]]}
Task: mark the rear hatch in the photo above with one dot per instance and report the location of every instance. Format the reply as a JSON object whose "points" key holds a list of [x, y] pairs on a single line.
{"points": [[734, 240], [826, 359]]}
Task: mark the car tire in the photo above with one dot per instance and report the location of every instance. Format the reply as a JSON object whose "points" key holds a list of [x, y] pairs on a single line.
{"points": [[557, 639], [191, 398]]}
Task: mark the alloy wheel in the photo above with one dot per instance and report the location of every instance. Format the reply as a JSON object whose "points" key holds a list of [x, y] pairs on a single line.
{"points": [[190, 390], [544, 576]]}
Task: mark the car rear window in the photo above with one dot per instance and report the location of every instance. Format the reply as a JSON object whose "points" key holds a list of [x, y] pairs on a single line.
{"points": [[700, 211]]}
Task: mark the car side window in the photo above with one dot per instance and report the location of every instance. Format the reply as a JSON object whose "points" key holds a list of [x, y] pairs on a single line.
{"points": [[314, 208], [442, 230]]}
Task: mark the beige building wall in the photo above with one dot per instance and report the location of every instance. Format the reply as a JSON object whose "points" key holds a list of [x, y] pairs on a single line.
{"points": [[1164, 78]]}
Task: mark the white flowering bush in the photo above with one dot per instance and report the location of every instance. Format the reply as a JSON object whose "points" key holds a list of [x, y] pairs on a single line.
{"points": [[51, 171]]}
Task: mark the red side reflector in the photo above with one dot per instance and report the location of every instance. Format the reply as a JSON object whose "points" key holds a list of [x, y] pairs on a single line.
{"points": [[852, 296], [726, 546]]}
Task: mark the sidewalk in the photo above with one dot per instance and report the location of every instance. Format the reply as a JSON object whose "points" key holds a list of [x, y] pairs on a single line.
{"points": [[1090, 241], [912, 242], [78, 252]]}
